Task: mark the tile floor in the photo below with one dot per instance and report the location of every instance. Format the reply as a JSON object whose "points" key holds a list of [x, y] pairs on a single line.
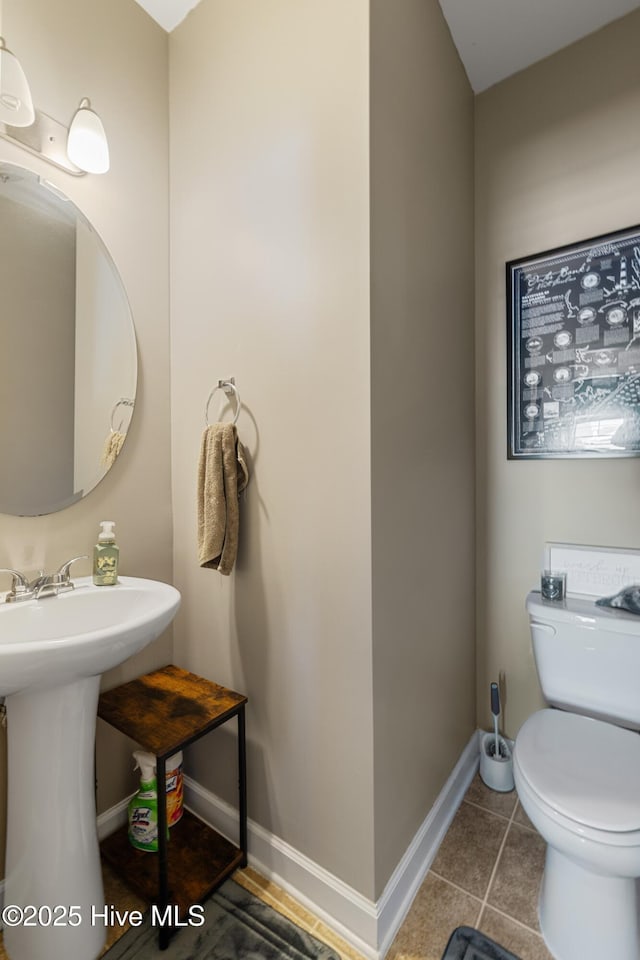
{"points": [[486, 874]]}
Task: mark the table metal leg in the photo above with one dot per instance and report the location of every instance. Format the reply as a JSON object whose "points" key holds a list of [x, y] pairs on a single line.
{"points": [[242, 784], [163, 881]]}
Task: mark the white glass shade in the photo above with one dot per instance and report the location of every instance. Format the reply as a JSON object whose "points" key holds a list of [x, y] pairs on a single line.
{"points": [[16, 105], [87, 145]]}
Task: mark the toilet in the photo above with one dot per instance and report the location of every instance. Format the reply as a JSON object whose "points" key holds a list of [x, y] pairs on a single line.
{"points": [[576, 767]]}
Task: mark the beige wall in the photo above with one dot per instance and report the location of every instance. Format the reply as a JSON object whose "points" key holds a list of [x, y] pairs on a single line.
{"points": [[558, 154], [270, 284], [115, 54], [422, 416]]}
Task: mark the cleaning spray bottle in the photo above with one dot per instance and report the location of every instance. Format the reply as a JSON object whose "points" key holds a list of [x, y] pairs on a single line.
{"points": [[105, 556], [143, 807]]}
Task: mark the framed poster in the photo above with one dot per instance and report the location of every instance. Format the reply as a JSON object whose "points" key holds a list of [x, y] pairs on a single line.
{"points": [[574, 350]]}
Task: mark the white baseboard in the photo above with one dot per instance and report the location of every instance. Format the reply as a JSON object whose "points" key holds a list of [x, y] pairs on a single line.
{"points": [[367, 925], [334, 902], [113, 818], [406, 879]]}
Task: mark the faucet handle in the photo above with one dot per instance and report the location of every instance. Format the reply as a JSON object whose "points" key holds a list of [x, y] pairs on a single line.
{"points": [[20, 584], [63, 572]]}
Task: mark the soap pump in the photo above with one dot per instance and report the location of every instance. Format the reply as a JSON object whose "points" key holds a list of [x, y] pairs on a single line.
{"points": [[105, 556]]}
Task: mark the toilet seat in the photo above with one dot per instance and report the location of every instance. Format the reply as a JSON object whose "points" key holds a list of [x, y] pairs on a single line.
{"points": [[585, 770]]}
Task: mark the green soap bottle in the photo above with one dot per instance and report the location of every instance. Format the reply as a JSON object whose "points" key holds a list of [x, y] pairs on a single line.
{"points": [[105, 556]]}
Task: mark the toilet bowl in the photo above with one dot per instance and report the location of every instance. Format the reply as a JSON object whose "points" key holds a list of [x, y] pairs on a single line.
{"points": [[578, 780], [577, 772]]}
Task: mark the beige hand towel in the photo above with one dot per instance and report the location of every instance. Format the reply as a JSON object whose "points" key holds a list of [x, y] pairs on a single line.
{"points": [[222, 474]]}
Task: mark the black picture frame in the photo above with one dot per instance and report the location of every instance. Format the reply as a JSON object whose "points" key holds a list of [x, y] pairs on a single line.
{"points": [[573, 350]]}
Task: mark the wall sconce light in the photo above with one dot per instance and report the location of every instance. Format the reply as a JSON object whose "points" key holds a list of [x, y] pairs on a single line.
{"points": [[16, 105], [81, 148], [87, 145]]}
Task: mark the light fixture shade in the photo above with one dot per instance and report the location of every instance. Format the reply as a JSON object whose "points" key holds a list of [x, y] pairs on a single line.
{"points": [[87, 145], [16, 105]]}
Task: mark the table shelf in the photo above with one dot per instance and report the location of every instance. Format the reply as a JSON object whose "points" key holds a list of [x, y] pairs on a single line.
{"points": [[198, 860], [164, 712]]}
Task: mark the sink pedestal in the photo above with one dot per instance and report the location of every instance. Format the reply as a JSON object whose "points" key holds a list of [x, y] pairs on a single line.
{"points": [[52, 654], [53, 859]]}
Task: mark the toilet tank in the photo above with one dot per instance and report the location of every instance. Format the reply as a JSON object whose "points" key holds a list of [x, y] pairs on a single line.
{"points": [[587, 657]]}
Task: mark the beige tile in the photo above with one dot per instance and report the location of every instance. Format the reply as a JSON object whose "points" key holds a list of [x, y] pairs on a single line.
{"points": [[521, 817], [526, 944], [436, 911], [482, 796], [517, 879], [469, 850]]}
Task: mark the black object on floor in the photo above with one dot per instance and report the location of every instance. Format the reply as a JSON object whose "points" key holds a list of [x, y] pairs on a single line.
{"points": [[237, 926], [465, 943]]}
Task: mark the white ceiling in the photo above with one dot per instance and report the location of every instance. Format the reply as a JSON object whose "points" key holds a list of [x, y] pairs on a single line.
{"points": [[495, 38], [168, 13]]}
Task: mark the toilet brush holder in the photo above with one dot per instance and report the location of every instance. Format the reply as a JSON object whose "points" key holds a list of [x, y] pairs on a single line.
{"points": [[496, 771]]}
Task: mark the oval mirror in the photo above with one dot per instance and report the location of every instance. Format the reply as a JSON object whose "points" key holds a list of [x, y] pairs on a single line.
{"points": [[68, 360]]}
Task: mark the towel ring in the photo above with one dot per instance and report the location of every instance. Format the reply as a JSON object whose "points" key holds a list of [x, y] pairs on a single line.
{"points": [[228, 386], [122, 402]]}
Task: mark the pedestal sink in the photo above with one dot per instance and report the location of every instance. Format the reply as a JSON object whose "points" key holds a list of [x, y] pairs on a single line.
{"points": [[52, 653]]}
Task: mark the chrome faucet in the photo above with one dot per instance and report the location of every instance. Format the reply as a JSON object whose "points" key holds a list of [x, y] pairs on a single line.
{"points": [[20, 586], [53, 583], [44, 585]]}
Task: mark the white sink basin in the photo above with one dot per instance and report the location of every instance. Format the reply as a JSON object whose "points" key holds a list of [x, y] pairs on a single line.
{"points": [[52, 653], [81, 633]]}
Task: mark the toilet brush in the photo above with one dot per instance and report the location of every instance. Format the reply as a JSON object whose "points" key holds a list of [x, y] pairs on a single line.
{"points": [[495, 710], [496, 763]]}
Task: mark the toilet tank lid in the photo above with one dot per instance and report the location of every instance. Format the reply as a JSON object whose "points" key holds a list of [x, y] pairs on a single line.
{"points": [[587, 770], [582, 611]]}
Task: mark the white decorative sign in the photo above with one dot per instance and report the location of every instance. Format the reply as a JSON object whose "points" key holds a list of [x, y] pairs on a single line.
{"points": [[594, 571]]}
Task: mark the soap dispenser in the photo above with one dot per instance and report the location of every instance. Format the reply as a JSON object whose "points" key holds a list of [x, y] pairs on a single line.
{"points": [[105, 556]]}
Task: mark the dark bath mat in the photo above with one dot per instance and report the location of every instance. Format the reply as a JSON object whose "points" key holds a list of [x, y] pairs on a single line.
{"points": [[465, 943], [238, 927]]}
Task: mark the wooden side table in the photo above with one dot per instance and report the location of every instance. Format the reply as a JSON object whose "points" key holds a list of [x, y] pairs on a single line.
{"points": [[165, 711]]}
